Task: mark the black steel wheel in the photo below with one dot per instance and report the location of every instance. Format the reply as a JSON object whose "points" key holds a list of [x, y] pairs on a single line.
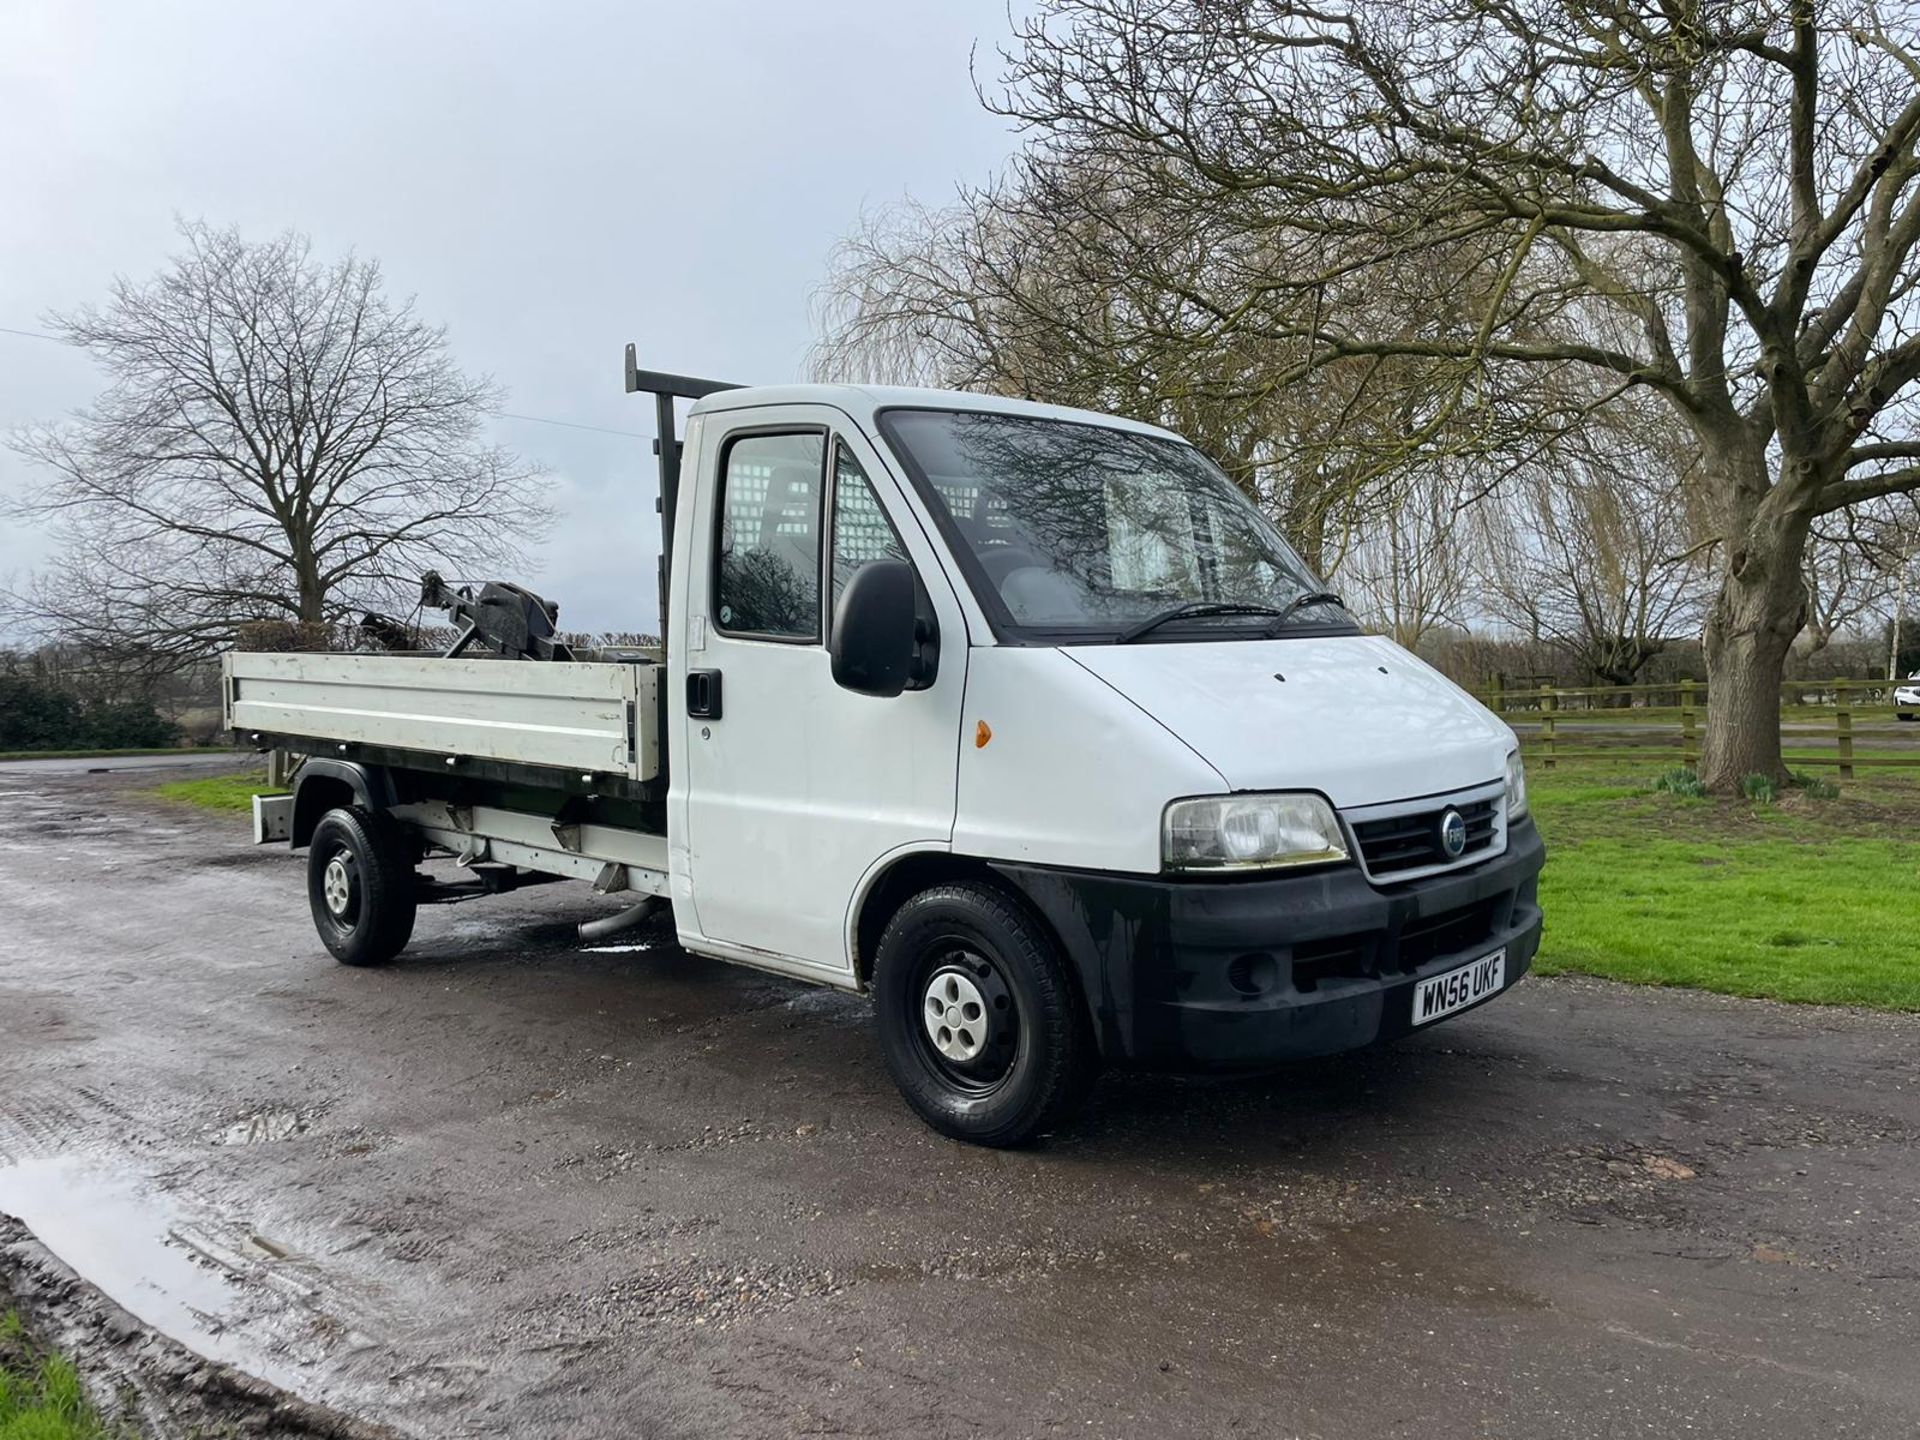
{"points": [[360, 885], [983, 1028], [969, 1019]]}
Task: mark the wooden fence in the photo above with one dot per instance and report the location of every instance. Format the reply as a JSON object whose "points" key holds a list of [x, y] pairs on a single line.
{"points": [[1821, 724]]}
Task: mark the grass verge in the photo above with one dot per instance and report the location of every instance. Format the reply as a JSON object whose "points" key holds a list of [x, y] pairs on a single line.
{"points": [[214, 792], [41, 1396], [1801, 898]]}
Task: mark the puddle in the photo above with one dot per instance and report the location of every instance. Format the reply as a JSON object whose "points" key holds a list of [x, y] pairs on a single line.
{"points": [[262, 1126], [182, 1279]]}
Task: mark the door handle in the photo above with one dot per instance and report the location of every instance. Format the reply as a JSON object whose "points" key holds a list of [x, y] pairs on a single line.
{"points": [[703, 694]]}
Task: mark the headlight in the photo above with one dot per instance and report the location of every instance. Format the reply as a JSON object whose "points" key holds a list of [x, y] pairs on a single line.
{"points": [[1251, 832], [1516, 787]]}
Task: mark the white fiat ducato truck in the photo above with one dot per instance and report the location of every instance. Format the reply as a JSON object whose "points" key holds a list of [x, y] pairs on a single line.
{"points": [[1022, 719]]}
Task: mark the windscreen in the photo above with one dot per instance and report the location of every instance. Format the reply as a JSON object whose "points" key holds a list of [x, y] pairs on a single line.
{"points": [[1084, 528]]}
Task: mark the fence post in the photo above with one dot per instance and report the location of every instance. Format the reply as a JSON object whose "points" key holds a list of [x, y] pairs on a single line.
{"points": [[1496, 694], [1689, 740], [1548, 704], [1843, 717]]}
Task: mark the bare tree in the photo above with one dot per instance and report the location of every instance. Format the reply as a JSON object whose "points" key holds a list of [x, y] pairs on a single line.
{"points": [[279, 442], [1718, 203], [1592, 549], [1404, 556], [1858, 563]]}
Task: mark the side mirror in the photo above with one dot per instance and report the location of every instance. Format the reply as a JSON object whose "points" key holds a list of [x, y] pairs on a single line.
{"points": [[875, 645]]}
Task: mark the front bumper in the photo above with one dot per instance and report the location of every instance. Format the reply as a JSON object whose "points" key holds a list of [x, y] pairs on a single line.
{"points": [[1231, 974]]}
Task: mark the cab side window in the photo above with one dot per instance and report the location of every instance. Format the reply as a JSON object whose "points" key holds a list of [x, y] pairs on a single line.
{"points": [[767, 580], [861, 531]]}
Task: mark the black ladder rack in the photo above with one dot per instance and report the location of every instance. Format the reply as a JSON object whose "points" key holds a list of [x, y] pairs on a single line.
{"points": [[665, 389]]}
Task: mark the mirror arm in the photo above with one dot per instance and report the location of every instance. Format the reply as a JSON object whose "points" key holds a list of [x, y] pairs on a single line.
{"points": [[926, 652]]}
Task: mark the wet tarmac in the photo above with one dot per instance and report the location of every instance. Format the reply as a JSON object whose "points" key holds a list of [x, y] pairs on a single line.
{"points": [[114, 764], [516, 1186]]}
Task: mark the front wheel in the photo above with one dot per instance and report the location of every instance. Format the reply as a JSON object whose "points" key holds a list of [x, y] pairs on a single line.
{"points": [[982, 1026], [360, 885], [1903, 714]]}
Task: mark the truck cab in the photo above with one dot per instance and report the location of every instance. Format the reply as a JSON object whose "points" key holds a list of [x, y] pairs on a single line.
{"points": [[1027, 721], [1250, 833]]}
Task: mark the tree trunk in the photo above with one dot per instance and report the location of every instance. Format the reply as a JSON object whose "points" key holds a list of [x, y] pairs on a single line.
{"points": [[1760, 608], [312, 595]]}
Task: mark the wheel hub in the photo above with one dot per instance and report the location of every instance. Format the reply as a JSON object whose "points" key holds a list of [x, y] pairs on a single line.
{"points": [[337, 885], [958, 1019]]}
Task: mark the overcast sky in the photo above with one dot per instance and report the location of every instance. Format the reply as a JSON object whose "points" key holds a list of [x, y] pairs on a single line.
{"points": [[550, 180]]}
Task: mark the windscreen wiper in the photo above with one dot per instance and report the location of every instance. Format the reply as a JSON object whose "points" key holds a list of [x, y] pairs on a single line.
{"points": [[1300, 602], [1194, 608]]}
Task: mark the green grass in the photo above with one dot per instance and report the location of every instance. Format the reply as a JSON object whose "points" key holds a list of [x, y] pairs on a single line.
{"points": [[1817, 787], [216, 792], [1806, 897], [1681, 781], [41, 1396]]}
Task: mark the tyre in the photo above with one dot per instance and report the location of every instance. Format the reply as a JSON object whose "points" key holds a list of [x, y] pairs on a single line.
{"points": [[360, 885], [1903, 714], [982, 1026]]}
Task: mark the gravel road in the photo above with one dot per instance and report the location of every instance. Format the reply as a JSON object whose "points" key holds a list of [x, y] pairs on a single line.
{"points": [[513, 1186]]}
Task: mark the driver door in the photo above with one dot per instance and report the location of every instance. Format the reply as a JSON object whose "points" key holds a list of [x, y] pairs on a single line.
{"points": [[797, 789]]}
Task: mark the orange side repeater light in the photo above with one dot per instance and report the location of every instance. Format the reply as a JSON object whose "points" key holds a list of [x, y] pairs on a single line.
{"points": [[982, 733]]}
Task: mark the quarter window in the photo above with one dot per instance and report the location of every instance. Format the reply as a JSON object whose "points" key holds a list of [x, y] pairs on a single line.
{"points": [[861, 530], [767, 581]]}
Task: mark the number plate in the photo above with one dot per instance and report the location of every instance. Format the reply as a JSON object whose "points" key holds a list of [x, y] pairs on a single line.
{"points": [[1457, 989]]}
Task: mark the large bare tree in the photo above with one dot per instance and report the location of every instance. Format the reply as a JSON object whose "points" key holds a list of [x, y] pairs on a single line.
{"points": [[1714, 201], [279, 441], [1592, 549]]}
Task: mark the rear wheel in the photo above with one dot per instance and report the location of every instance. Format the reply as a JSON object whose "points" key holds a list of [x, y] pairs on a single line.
{"points": [[1903, 714], [983, 1028], [360, 885]]}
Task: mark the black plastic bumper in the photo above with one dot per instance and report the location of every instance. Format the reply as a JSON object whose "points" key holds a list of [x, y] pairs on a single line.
{"points": [[1224, 974]]}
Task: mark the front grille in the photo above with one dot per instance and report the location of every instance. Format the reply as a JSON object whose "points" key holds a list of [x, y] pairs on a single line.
{"points": [[1344, 957], [1447, 933], [1381, 954], [1400, 843]]}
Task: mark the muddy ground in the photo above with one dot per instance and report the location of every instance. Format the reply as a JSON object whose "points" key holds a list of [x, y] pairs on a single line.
{"points": [[511, 1186], [143, 1381]]}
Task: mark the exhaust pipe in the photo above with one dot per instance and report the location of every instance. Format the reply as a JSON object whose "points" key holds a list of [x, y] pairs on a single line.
{"points": [[623, 920]]}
